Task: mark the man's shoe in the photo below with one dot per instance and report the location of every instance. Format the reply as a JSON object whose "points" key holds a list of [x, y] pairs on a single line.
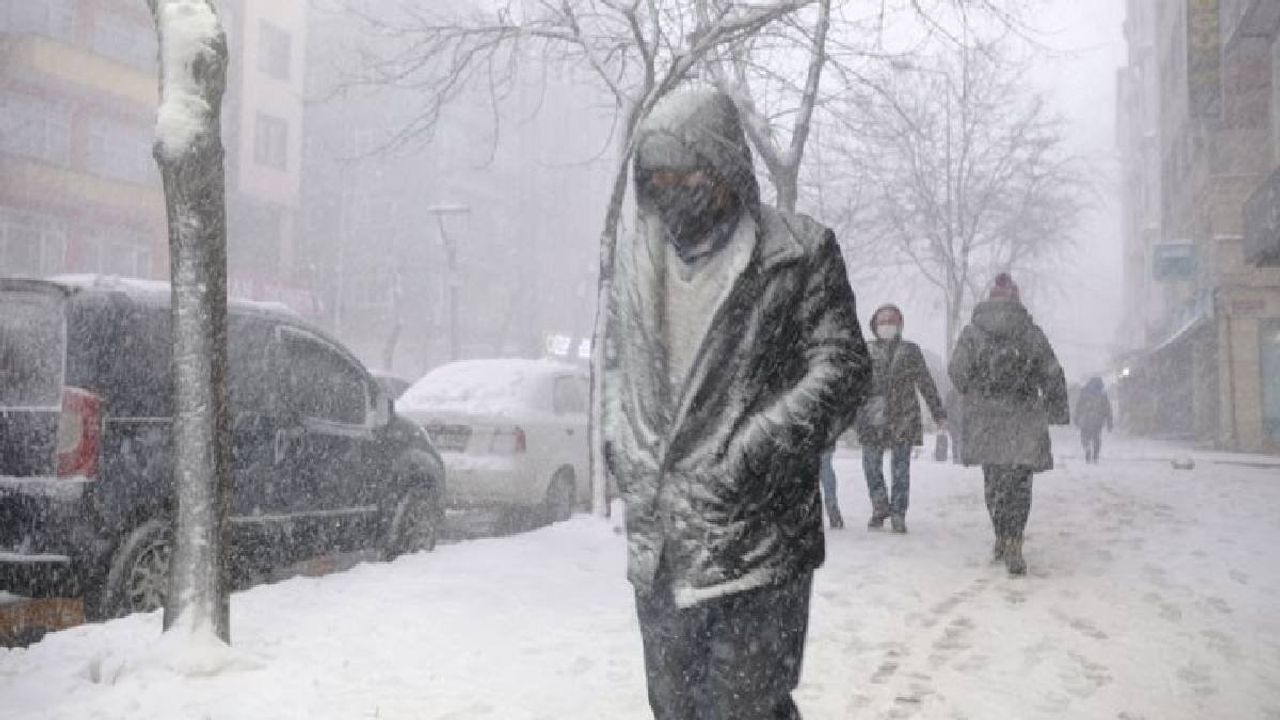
{"points": [[899, 524], [1013, 557], [876, 522], [837, 522], [997, 550]]}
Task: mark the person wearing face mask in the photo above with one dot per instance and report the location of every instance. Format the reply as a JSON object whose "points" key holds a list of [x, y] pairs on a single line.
{"points": [[733, 358], [890, 420]]}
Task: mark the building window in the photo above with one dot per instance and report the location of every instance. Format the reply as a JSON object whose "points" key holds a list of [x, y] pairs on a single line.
{"points": [[51, 18], [34, 128], [117, 252], [1270, 348], [121, 151], [274, 48], [130, 41], [31, 244], [271, 142]]}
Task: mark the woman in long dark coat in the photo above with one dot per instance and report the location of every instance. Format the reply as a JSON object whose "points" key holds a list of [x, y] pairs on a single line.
{"points": [[1013, 388]]}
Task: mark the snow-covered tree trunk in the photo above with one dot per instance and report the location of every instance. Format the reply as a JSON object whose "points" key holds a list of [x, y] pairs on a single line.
{"points": [[188, 149]]}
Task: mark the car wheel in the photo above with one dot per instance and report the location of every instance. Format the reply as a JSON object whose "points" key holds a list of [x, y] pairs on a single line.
{"points": [[415, 524], [560, 498], [138, 579]]}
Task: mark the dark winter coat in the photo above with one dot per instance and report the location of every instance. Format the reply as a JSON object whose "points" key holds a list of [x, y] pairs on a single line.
{"points": [[1093, 408], [1007, 418], [898, 372], [720, 476]]}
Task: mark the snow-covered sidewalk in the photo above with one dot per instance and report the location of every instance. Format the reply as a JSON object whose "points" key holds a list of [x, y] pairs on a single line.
{"points": [[1152, 594]]}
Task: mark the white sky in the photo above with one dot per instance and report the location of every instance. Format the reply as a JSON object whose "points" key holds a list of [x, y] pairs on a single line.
{"points": [[1082, 81]]}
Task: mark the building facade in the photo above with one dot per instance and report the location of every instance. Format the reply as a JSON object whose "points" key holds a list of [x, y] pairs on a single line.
{"points": [[476, 238], [1198, 137], [79, 190]]}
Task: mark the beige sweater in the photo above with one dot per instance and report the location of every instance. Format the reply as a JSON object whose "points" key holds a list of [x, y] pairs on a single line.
{"points": [[695, 291]]}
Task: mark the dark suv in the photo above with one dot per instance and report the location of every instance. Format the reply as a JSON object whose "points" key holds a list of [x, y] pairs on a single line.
{"points": [[320, 461]]}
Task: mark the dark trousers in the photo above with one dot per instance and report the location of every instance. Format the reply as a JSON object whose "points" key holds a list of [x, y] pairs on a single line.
{"points": [[882, 504], [732, 658], [1008, 491], [827, 477], [1091, 439]]}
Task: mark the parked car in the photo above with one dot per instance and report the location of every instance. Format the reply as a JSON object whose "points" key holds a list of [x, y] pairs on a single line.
{"points": [[513, 433], [320, 460], [393, 386]]}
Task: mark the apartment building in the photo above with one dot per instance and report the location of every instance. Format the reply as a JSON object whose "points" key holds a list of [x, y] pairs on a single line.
{"points": [[79, 191], [1197, 132]]}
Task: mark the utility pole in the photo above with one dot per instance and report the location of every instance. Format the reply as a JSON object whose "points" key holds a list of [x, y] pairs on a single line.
{"points": [[451, 261]]}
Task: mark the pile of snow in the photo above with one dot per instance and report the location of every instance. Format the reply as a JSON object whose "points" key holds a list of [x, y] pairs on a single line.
{"points": [[189, 30], [1152, 594]]}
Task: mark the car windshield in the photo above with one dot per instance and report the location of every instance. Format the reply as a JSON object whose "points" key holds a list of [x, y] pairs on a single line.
{"points": [[32, 344], [481, 387]]}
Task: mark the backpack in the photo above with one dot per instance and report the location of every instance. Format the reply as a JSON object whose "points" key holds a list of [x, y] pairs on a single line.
{"points": [[1007, 368]]}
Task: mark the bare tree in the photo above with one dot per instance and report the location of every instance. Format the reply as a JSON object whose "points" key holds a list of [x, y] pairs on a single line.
{"points": [[636, 52], [733, 68], [188, 149], [965, 173]]}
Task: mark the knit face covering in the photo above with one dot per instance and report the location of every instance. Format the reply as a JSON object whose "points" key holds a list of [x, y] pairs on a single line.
{"points": [[695, 220]]}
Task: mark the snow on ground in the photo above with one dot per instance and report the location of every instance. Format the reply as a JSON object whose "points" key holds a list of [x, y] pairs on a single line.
{"points": [[1152, 595]]}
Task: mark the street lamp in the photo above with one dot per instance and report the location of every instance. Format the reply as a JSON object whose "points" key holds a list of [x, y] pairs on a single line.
{"points": [[451, 258]]}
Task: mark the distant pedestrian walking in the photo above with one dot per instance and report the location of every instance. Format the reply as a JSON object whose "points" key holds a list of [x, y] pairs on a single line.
{"points": [[1093, 412], [1012, 388], [890, 420]]}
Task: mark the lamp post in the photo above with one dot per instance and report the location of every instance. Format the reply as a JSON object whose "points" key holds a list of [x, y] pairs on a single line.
{"points": [[451, 262]]}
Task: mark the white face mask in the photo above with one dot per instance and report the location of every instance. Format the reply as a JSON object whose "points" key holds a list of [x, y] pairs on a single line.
{"points": [[888, 332]]}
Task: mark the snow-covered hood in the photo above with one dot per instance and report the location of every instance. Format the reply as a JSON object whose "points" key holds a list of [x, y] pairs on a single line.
{"points": [[708, 124]]}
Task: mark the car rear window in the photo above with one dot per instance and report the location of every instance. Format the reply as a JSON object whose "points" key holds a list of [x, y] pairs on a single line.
{"points": [[32, 348]]}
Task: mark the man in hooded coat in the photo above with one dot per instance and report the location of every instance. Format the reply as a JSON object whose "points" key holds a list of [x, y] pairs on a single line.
{"points": [[733, 358], [1012, 389], [1093, 412]]}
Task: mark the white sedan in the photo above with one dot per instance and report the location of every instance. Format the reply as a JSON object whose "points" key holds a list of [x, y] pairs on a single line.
{"points": [[512, 433]]}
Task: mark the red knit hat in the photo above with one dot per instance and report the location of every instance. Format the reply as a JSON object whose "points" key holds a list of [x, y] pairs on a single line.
{"points": [[1004, 288]]}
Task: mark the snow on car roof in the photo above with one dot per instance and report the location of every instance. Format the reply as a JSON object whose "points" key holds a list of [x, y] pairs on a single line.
{"points": [[158, 289], [480, 386]]}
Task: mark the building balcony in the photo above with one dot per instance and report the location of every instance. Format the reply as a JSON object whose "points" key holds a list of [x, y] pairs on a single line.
{"points": [[32, 183], [73, 67], [1262, 223], [1250, 19]]}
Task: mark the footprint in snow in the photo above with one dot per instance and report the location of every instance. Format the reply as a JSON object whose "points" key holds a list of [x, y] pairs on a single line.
{"points": [[1088, 678], [1222, 643], [1196, 678], [1168, 611]]}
